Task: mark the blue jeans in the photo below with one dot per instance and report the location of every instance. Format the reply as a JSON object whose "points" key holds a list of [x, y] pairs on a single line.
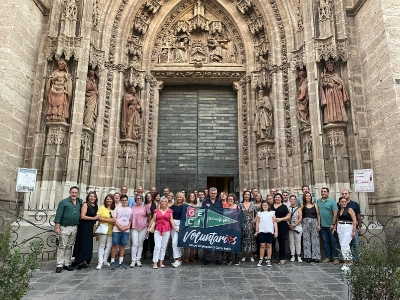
{"points": [[329, 240], [354, 244]]}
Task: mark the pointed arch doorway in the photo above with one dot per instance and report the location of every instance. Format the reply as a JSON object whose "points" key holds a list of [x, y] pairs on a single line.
{"points": [[197, 136]]}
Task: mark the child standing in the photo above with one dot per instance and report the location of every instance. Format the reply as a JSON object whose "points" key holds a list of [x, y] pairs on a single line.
{"points": [[266, 230], [120, 235]]}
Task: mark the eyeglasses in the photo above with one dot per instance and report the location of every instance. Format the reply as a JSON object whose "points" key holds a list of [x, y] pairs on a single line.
{"points": [[124, 200]]}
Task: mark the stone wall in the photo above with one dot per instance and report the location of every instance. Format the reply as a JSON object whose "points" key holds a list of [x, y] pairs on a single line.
{"points": [[21, 25], [379, 48]]}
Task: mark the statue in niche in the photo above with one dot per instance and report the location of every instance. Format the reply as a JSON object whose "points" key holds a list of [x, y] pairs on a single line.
{"points": [[263, 125], [263, 63], [59, 93], [91, 102], [334, 96], [182, 48], [303, 113], [215, 49], [131, 115]]}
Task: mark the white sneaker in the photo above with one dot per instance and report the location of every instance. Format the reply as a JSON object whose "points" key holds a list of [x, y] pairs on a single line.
{"points": [[251, 259], [99, 265], [133, 263], [292, 259], [269, 263], [243, 258], [299, 259], [138, 263], [176, 264], [260, 263], [106, 264]]}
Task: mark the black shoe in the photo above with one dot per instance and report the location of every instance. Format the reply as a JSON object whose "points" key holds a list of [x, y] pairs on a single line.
{"points": [[207, 261], [69, 268], [229, 262], [218, 262], [58, 270], [316, 260], [83, 266]]}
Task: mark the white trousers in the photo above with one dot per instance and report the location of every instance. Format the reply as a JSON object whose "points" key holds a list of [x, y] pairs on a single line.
{"points": [[67, 241], [344, 233], [160, 245], [137, 243], [177, 251], [295, 242], [105, 245]]}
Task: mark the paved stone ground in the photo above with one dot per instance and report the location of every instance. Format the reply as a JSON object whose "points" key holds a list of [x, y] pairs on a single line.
{"points": [[192, 281]]}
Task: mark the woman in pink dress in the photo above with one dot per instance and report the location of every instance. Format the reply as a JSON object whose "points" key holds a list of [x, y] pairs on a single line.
{"points": [[164, 221]]}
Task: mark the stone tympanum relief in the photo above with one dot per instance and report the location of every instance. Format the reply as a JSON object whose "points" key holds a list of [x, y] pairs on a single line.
{"points": [[197, 37], [263, 124], [91, 102], [334, 96], [303, 113], [59, 93], [131, 116]]}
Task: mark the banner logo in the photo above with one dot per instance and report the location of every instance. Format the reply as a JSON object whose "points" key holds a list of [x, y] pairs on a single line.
{"points": [[195, 217], [214, 219]]}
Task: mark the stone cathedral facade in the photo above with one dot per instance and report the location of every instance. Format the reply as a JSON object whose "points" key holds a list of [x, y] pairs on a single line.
{"points": [[186, 93]]}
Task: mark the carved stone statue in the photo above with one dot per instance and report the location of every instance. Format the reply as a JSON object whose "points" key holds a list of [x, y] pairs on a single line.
{"points": [[59, 93], [263, 125], [303, 113], [334, 96], [131, 115], [91, 102]]}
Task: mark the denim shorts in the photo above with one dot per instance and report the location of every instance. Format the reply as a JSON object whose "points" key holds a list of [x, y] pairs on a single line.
{"points": [[265, 237], [120, 238]]}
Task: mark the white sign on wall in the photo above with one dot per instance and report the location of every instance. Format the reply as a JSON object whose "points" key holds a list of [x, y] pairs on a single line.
{"points": [[364, 181], [26, 180]]}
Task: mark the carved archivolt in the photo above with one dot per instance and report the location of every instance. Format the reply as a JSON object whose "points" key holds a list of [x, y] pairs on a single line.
{"points": [[57, 136], [149, 143], [245, 117], [335, 138], [217, 74], [244, 6], [95, 16], [198, 33]]}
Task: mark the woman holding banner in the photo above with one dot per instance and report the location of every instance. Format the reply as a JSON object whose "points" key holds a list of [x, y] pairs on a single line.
{"points": [[191, 201], [248, 239], [233, 257]]}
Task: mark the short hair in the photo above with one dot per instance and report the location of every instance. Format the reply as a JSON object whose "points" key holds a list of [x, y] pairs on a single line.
{"points": [[325, 188], [113, 201], [200, 192], [117, 194], [278, 194], [91, 193], [284, 192], [212, 189], [293, 196], [233, 196], [123, 196], [180, 195], [139, 196], [304, 187], [73, 187], [171, 194]]}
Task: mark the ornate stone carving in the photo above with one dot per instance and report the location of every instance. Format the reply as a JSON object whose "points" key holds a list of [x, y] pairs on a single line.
{"points": [[127, 150], [324, 10], [131, 116], [91, 102], [110, 75], [335, 138], [256, 24], [217, 74], [95, 16], [63, 45], [299, 17], [263, 78], [69, 18], [86, 140], [139, 23], [342, 49], [307, 146], [330, 48], [133, 78], [244, 6], [175, 44], [266, 152], [153, 6], [96, 57], [245, 145], [334, 96], [298, 58], [56, 136], [149, 143], [59, 93], [263, 123]]}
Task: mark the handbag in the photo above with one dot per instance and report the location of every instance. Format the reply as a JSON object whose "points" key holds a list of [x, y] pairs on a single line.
{"points": [[101, 229], [151, 228]]}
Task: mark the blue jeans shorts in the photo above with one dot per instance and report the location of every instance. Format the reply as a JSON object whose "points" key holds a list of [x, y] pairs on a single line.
{"points": [[120, 238]]}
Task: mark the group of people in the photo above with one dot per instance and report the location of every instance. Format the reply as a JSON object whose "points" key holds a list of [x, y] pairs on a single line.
{"points": [[151, 221]]}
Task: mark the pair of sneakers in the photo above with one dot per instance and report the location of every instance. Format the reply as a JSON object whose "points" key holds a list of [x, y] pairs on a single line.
{"points": [[268, 262], [251, 259], [177, 263], [137, 263], [121, 265], [298, 259]]}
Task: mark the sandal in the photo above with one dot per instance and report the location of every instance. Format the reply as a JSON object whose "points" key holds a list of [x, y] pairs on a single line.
{"points": [[282, 262], [192, 259], [186, 260], [162, 266]]}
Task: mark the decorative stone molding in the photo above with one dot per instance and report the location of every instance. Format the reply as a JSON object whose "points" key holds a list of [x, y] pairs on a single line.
{"points": [[96, 57], [150, 79], [299, 18], [127, 149], [57, 136], [95, 16], [335, 138], [267, 151], [298, 58], [263, 78], [245, 120], [63, 45], [69, 18], [307, 145], [324, 10], [256, 24], [244, 6], [133, 77], [330, 48], [140, 23], [153, 5], [199, 74]]}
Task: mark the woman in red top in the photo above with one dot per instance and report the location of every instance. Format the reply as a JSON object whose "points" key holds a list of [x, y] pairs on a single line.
{"points": [[164, 221]]}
